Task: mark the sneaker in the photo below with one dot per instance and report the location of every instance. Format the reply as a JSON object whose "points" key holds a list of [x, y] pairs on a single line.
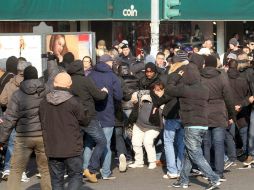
{"points": [[248, 161], [110, 177], [171, 176], [135, 165], [122, 163], [228, 164], [24, 178], [91, 177], [222, 178], [213, 185], [152, 166], [179, 184], [38, 175], [5, 174], [196, 172]]}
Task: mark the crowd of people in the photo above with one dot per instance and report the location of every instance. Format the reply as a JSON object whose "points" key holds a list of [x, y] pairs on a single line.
{"points": [[189, 111]]}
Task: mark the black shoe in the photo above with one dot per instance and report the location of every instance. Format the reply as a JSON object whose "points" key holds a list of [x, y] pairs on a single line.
{"points": [[179, 184], [213, 185]]}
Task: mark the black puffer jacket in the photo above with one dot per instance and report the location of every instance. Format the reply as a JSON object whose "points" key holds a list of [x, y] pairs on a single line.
{"points": [[221, 106], [84, 88], [240, 94], [23, 110]]}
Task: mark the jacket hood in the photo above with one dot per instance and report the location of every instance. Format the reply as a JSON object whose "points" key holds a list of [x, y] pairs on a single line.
{"points": [[191, 74], [32, 86], [16, 80], [57, 97], [102, 67], [75, 67], [233, 73], [210, 72]]}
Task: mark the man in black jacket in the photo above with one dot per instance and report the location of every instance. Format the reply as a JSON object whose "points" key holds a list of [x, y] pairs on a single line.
{"points": [[193, 97], [61, 116], [220, 108], [86, 90]]}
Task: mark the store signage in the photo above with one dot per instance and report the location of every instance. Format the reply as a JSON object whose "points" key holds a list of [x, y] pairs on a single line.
{"points": [[130, 12]]}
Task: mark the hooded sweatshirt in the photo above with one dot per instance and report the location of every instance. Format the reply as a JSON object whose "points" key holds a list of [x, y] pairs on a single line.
{"points": [[61, 115]]}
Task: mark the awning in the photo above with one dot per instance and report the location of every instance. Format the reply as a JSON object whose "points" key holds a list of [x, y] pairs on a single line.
{"points": [[46, 10], [227, 10]]}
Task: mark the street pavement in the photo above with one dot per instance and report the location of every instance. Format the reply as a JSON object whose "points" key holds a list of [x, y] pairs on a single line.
{"points": [[145, 179]]}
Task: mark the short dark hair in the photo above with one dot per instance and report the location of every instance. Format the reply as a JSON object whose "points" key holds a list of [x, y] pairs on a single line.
{"points": [[160, 53], [233, 64]]}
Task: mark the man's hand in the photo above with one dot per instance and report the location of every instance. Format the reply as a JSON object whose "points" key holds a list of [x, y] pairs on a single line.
{"points": [[238, 108], [230, 122], [251, 99], [104, 89]]}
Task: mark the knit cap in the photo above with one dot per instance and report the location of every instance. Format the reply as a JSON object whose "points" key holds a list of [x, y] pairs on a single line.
{"points": [[30, 72]]}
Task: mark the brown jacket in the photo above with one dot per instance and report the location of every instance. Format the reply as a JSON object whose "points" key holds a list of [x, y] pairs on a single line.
{"points": [[9, 88]]}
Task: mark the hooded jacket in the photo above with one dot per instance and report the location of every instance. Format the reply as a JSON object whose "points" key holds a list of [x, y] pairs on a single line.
{"points": [[23, 111], [85, 88], [220, 103], [104, 77], [240, 94], [61, 116]]}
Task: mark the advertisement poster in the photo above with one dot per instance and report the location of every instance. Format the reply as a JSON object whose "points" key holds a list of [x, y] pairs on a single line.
{"points": [[79, 44], [27, 46]]}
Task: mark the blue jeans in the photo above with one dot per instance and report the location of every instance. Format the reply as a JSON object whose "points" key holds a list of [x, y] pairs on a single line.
{"points": [[251, 134], [173, 139], [9, 152], [244, 136], [230, 143], [95, 137], [107, 154], [57, 168], [194, 155], [215, 137]]}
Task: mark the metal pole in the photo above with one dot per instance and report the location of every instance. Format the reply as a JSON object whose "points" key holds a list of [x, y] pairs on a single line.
{"points": [[155, 22]]}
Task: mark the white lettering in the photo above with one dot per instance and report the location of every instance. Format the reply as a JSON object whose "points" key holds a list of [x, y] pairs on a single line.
{"points": [[130, 12]]}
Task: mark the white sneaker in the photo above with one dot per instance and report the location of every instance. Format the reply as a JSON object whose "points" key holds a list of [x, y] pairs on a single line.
{"points": [[171, 176], [152, 166], [25, 178], [5, 174], [122, 163], [135, 165], [38, 175]]}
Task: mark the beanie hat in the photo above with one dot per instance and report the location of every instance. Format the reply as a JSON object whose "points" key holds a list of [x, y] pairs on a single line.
{"points": [[105, 58], [180, 56], [62, 80], [234, 42], [11, 64], [30, 72], [68, 57], [22, 65], [232, 56], [210, 61], [152, 66]]}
